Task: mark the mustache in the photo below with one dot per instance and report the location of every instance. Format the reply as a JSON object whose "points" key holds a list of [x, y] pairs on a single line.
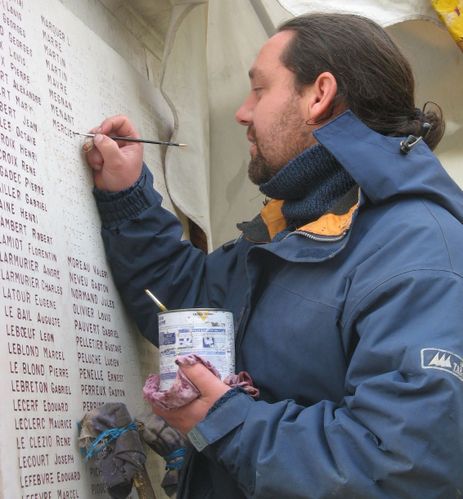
{"points": [[251, 134]]}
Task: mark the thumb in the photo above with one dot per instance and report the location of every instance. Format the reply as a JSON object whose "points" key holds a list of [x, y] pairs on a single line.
{"points": [[108, 148], [199, 375]]}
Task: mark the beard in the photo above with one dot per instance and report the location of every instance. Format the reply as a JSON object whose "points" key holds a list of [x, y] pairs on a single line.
{"points": [[287, 137], [259, 169]]}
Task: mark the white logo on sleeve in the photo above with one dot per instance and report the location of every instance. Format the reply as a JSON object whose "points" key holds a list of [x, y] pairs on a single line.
{"points": [[436, 358]]}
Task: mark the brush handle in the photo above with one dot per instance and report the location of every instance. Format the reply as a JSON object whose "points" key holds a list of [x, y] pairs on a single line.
{"points": [[133, 139], [146, 141]]}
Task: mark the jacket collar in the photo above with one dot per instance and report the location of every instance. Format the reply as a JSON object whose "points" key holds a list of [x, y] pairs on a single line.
{"points": [[273, 217], [334, 223], [382, 171]]}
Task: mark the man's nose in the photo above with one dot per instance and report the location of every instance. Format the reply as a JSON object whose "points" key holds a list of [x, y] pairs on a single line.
{"points": [[244, 113]]}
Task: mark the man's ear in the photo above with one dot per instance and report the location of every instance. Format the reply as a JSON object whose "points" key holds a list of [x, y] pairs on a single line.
{"points": [[321, 98]]}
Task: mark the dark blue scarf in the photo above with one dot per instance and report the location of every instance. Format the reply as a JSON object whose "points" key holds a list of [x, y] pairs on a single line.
{"points": [[309, 185]]}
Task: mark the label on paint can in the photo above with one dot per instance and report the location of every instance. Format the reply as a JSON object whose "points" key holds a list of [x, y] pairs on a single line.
{"points": [[207, 332]]}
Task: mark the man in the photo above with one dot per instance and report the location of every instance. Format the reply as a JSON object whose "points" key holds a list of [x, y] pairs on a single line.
{"points": [[347, 289]]}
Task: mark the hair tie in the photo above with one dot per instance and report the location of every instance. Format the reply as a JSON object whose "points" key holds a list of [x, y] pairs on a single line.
{"points": [[410, 142], [419, 114]]}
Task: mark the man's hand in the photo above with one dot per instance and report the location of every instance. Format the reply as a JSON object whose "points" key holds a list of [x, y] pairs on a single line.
{"points": [[211, 389], [116, 165]]}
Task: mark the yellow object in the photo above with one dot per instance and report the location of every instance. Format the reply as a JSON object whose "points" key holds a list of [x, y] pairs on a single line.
{"points": [[331, 224], [158, 303], [273, 217], [450, 13], [203, 314]]}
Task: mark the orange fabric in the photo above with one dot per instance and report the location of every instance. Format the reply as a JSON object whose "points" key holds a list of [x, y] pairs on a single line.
{"points": [[327, 225], [330, 224], [273, 217]]}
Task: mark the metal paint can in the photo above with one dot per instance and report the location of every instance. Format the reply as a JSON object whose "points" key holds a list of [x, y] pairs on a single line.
{"points": [[207, 332]]}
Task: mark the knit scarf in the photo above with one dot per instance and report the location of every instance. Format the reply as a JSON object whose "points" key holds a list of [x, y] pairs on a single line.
{"points": [[309, 185]]}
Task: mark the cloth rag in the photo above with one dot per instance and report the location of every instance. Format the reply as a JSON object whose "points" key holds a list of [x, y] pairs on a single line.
{"points": [[183, 391]]}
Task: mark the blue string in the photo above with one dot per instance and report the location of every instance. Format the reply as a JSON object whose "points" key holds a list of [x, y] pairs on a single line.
{"points": [[174, 460], [105, 438]]}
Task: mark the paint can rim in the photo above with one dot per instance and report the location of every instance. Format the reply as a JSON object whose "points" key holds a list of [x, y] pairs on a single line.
{"points": [[196, 309]]}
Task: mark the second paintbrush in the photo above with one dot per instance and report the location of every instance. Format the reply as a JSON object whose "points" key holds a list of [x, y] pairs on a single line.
{"points": [[133, 139]]}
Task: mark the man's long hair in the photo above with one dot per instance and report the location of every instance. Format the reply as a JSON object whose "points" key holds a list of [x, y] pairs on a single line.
{"points": [[374, 79]]}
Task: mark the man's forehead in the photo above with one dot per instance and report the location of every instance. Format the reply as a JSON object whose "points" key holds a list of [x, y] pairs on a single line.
{"points": [[269, 54]]}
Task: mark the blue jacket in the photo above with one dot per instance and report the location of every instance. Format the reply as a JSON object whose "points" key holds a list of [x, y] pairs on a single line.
{"points": [[351, 327]]}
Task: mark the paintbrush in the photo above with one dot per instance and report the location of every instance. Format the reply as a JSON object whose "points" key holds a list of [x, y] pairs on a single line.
{"points": [[158, 303], [133, 139]]}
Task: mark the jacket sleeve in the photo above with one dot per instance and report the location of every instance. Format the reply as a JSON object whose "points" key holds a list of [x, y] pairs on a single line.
{"points": [[145, 250], [398, 432]]}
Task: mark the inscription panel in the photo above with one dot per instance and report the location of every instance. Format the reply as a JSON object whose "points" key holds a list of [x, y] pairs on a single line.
{"points": [[66, 346]]}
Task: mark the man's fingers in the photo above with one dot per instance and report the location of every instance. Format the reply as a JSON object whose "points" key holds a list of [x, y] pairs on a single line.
{"points": [[116, 165], [108, 149], [115, 125], [118, 125], [94, 157]]}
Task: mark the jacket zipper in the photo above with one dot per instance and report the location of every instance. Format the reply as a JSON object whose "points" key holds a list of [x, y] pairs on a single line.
{"points": [[241, 328], [314, 237], [245, 315]]}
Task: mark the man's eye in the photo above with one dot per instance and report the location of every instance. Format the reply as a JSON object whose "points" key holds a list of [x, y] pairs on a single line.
{"points": [[257, 89]]}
